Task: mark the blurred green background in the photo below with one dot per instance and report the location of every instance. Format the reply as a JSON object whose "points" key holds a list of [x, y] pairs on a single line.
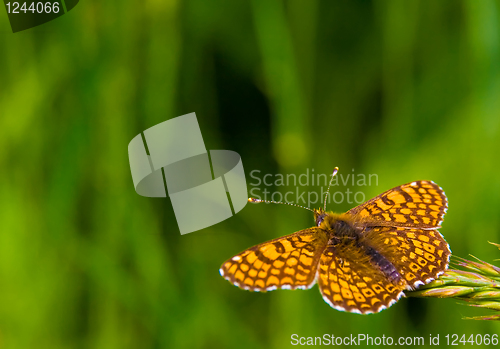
{"points": [[406, 90]]}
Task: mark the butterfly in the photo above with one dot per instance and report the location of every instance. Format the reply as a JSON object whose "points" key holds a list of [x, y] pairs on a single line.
{"points": [[362, 260]]}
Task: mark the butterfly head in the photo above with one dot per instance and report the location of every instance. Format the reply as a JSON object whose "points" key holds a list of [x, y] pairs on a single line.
{"points": [[319, 216]]}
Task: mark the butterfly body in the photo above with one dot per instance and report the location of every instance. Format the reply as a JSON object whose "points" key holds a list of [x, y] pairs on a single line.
{"points": [[345, 233], [363, 259]]}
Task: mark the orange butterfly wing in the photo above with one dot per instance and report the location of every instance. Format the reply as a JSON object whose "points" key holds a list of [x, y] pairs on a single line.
{"points": [[289, 262], [349, 282], [420, 204]]}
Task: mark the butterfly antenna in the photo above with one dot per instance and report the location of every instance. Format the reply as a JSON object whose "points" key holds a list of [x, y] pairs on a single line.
{"points": [[335, 170], [256, 201]]}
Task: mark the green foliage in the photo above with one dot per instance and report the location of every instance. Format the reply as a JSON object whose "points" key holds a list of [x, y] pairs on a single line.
{"points": [[478, 285]]}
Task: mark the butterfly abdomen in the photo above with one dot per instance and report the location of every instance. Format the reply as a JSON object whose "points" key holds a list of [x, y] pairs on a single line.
{"points": [[386, 267]]}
